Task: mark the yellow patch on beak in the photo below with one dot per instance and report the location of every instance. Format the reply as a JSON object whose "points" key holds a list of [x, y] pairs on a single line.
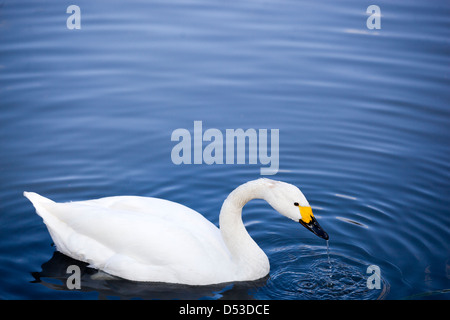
{"points": [[306, 213]]}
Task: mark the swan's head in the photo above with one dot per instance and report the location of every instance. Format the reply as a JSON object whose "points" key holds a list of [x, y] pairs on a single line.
{"points": [[288, 200]]}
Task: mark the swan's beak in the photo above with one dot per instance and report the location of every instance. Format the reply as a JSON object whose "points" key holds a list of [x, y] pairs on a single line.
{"points": [[310, 223]]}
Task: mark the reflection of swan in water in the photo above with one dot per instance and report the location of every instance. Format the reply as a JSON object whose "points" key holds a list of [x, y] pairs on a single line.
{"points": [[155, 240], [54, 275]]}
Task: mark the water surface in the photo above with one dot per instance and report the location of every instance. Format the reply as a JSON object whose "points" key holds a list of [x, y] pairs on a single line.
{"points": [[363, 118]]}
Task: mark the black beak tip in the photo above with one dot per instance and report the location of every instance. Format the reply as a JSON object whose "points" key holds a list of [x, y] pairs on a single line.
{"points": [[315, 228], [318, 231]]}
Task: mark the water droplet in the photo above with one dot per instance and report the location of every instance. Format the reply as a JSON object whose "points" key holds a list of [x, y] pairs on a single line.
{"points": [[329, 259]]}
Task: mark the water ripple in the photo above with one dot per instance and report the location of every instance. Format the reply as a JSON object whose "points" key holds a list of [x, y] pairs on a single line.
{"points": [[310, 273]]}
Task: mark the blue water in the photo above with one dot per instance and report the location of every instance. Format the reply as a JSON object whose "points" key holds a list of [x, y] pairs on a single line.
{"points": [[363, 118]]}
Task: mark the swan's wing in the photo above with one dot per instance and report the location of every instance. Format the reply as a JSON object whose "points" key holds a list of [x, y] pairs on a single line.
{"points": [[122, 234]]}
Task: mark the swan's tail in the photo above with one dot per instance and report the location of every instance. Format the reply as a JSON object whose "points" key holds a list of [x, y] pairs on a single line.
{"points": [[39, 202], [58, 230]]}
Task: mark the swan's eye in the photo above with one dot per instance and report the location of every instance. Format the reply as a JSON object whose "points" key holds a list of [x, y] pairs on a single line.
{"points": [[296, 204]]}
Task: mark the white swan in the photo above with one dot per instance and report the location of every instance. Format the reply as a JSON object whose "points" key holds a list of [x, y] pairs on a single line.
{"points": [[150, 239]]}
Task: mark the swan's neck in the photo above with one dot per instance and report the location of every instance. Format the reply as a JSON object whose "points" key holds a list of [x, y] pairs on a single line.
{"points": [[245, 252]]}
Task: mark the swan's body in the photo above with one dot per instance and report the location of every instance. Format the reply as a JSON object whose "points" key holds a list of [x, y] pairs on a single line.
{"points": [[150, 239]]}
